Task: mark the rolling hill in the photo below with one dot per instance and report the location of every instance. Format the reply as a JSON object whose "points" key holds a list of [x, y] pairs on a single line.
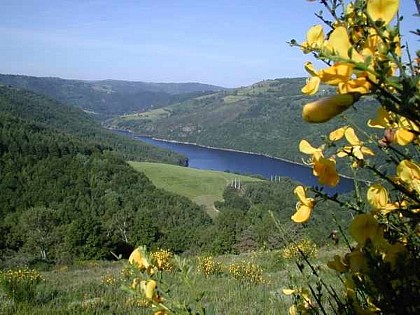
{"points": [[67, 119], [65, 195], [262, 118], [109, 97]]}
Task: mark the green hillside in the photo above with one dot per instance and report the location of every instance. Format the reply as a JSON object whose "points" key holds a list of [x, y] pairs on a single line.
{"points": [[73, 121], [202, 187], [263, 118], [109, 97], [64, 198]]}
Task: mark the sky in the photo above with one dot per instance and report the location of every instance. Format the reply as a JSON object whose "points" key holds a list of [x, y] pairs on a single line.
{"points": [[230, 43]]}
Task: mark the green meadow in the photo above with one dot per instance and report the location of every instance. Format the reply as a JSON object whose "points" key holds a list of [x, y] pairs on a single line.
{"points": [[201, 186], [98, 287]]}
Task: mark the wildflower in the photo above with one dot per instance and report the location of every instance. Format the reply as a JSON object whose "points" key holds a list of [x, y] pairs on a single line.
{"points": [[401, 127], [148, 287], [356, 147], [409, 173], [326, 172], [383, 10], [328, 107], [312, 84], [365, 227], [337, 264], [339, 44], [314, 39], [356, 260], [304, 206], [378, 198], [323, 168], [395, 252], [138, 259]]}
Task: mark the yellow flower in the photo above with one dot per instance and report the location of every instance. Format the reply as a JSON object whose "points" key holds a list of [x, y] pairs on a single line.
{"points": [[304, 206], [312, 84], [356, 260], [326, 108], [383, 10], [356, 146], [364, 227], [307, 148], [409, 173], [149, 287], [402, 127], [395, 252], [339, 45], [338, 73], [337, 264], [325, 170], [138, 259], [288, 291], [337, 134], [314, 39], [378, 198], [360, 85]]}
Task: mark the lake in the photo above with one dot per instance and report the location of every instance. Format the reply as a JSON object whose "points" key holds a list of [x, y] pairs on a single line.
{"points": [[245, 163]]}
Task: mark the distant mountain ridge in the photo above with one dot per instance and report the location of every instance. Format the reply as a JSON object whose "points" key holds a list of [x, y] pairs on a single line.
{"points": [[109, 97]]}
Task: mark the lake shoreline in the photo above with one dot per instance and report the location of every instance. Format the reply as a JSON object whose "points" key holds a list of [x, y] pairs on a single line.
{"points": [[221, 149]]}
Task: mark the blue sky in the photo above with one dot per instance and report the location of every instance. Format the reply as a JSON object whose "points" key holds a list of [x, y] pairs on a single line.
{"points": [[224, 42]]}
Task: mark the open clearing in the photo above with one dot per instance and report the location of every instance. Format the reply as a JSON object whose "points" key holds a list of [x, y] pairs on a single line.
{"points": [[201, 186]]}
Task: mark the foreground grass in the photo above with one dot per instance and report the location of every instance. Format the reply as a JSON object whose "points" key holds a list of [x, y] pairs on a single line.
{"points": [[96, 288], [201, 186]]}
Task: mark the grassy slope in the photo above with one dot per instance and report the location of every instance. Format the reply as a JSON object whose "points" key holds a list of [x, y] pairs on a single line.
{"points": [[202, 187], [81, 289]]}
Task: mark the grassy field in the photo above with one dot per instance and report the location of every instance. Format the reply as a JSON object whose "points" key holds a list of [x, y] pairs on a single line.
{"points": [[202, 187], [98, 287], [150, 115]]}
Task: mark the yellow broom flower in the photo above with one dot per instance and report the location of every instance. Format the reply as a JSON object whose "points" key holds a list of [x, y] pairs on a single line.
{"points": [[326, 108]]}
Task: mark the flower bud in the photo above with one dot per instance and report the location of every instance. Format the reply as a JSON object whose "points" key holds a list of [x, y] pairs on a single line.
{"points": [[326, 108]]}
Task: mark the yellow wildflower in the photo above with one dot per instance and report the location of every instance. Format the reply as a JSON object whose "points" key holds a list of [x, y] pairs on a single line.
{"points": [[312, 84], [138, 259], [384, 10], [314, 39], [337, 264], [378, 198], [395, 252], [401, 126], [364, 227], [356, 147], [409, 173], [328, 107], [304, 206], [326, 172], [339, 44]]}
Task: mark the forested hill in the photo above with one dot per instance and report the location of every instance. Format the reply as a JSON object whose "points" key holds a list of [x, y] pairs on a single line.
{"points": [[109, 97], [52, 114], [64, 198], [264, 118]]}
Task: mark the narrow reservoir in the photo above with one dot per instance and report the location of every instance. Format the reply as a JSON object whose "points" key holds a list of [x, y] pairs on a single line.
{"points": [[245, 163]]}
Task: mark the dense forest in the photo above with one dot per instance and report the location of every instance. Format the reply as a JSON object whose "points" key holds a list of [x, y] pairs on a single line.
{"points": [[65, 198], [50, 113]]}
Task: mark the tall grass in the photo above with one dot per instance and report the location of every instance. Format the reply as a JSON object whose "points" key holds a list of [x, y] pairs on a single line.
{"points": [[96, 287]]}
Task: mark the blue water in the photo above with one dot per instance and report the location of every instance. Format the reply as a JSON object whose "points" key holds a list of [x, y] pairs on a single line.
{"points": [[246, 163]]}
